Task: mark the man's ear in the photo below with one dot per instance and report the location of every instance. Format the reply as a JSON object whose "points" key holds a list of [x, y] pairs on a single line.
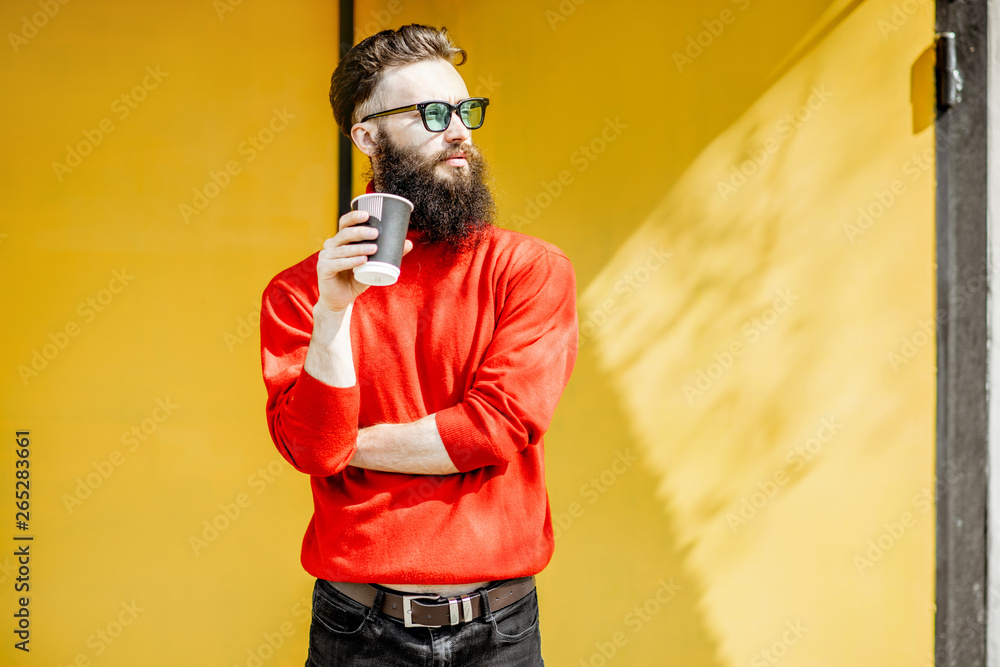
{"points": [[363, 136]]}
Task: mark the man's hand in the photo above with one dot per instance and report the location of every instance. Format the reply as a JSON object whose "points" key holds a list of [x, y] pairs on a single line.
{"points": [[329, 358], [335, 268]]}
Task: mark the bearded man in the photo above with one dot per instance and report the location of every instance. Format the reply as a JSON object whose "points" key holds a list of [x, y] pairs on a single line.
{"points": [[419, 408]]}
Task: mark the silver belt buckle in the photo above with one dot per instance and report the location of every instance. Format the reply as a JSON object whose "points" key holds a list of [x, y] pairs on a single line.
{"points": [[456, 615], [408, 611]]}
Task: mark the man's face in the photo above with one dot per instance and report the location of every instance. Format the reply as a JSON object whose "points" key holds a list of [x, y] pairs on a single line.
{"points": [[420, 82], [442, 173]]}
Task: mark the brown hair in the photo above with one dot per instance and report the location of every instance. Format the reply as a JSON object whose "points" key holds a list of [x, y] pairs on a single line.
{"points": [[354, 87]]}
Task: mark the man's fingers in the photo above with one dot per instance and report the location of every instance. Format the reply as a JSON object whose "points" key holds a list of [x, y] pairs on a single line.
{"points": [[350, 235], [352, 218], [349, 250], [407, 246], [329, 267]]}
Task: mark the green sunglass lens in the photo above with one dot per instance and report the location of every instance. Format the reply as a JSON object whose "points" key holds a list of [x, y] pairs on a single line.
{"points": [[472, 113], [437, 116]]}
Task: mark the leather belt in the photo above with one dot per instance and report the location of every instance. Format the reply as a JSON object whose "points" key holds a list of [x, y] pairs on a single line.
{"points": [[431, 610]]}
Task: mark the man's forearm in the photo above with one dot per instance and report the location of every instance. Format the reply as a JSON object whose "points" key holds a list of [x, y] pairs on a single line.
{"points": [[329, 358], [415, 448]]}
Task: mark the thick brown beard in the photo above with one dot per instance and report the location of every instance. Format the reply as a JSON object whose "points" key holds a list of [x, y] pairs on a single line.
{"points": [[454, 210]]}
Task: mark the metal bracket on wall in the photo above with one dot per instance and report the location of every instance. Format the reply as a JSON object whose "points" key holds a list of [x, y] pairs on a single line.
{"points": [[949, 78]]}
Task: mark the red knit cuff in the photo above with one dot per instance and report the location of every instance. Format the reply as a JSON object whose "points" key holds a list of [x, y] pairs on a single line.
{"points": [[467, 444], [325, 410]]}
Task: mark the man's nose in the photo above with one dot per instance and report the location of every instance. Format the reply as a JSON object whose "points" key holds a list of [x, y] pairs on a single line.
{"points": [[456, 132]]}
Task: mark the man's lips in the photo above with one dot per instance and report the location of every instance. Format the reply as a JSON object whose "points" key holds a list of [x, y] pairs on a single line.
{"points": [[457, 160]]}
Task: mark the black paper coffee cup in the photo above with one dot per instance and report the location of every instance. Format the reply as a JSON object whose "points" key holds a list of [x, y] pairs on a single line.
{"points": [[390, 214]]}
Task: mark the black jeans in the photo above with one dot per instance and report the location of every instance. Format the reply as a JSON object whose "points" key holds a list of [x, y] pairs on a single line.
{"points": [[345, 632]]}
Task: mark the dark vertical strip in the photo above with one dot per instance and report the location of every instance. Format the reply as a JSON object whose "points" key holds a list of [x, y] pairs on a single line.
{"points": [[962, 409], [344, 167]]}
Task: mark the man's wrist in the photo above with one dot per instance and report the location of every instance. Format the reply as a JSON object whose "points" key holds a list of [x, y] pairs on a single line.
{"points": [[322, 311], [330, 358]]}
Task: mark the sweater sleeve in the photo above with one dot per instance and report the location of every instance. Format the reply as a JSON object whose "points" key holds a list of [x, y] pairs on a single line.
{"points": [[524, 371], [313, 425]]}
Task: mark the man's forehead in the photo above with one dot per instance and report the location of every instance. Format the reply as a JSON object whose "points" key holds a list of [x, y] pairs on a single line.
{"points": [[419, 82]]}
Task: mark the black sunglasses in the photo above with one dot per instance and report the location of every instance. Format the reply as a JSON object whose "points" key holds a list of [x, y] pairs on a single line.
{"points": [[436, 115]]}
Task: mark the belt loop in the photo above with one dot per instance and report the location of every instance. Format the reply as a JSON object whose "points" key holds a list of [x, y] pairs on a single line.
{"points": [[377, 604], [484, 602]]}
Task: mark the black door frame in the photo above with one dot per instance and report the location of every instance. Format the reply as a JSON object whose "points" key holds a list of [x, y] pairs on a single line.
{"points": [[962, 338], [345, 169]]}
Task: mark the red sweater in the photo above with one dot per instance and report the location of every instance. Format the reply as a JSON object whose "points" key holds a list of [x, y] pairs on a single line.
{"points": [[487, 340]]}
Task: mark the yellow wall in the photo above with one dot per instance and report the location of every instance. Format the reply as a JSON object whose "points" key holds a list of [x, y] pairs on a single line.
{"points": [[182, 330], [602, 142]]}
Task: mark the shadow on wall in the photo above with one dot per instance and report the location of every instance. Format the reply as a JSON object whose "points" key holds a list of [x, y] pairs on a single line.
{"points": [[769, 329]]}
